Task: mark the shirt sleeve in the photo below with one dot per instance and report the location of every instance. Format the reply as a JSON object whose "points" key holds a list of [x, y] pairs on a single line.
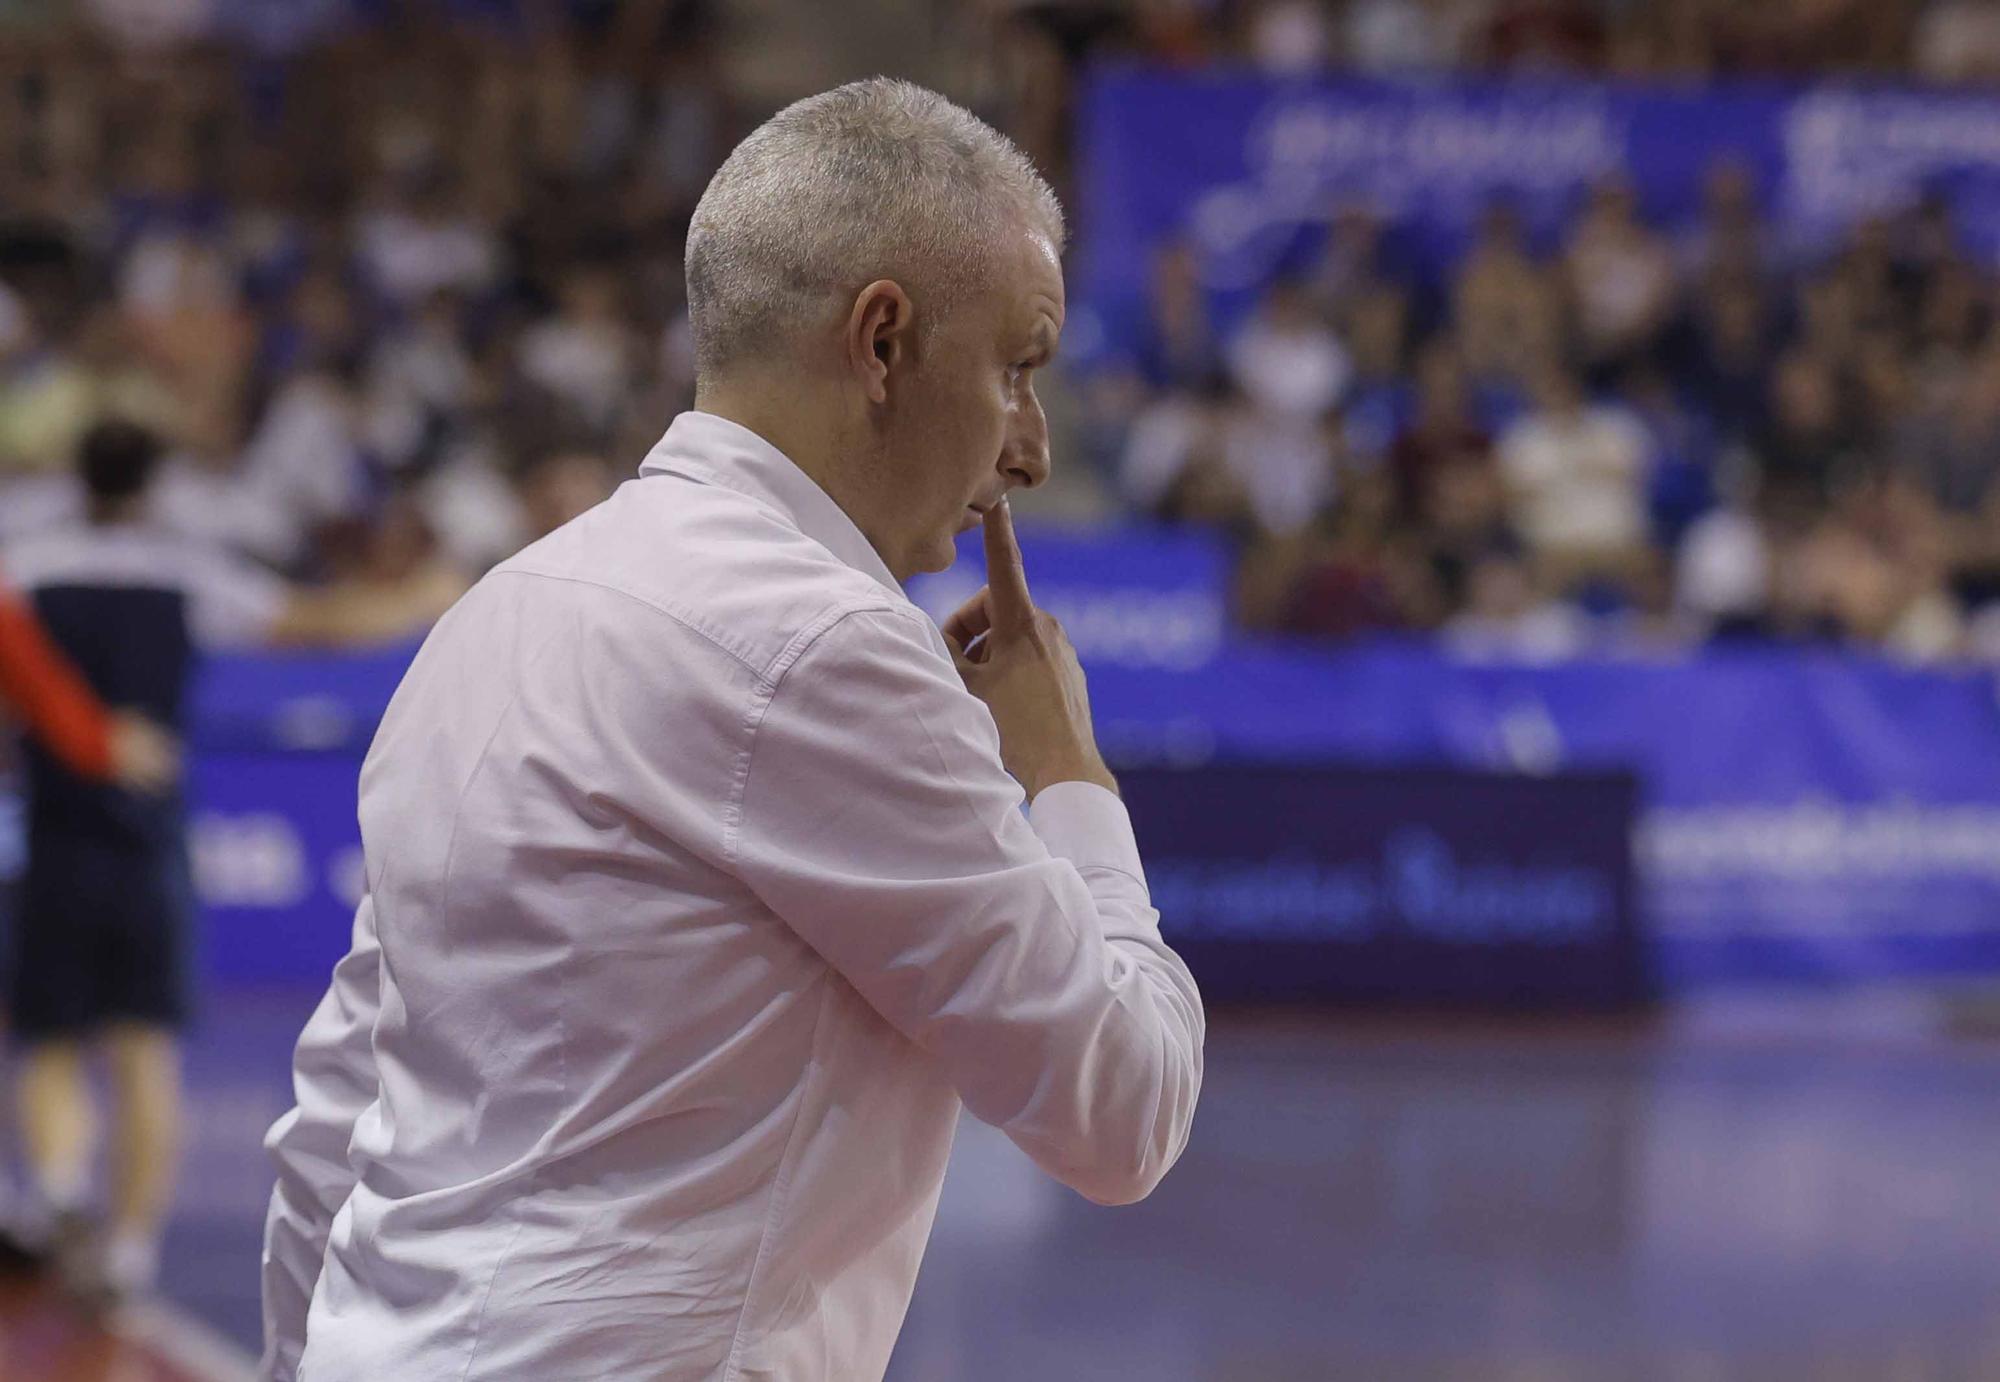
{"points": [[1020, 950], [334, 1081], [54, 702]]}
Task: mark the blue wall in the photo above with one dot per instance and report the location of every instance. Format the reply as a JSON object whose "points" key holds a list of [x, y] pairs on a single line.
{"points": [[1799, 814]]}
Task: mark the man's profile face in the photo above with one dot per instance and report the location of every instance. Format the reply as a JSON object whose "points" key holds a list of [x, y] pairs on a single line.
{"points": [[970, 427]]}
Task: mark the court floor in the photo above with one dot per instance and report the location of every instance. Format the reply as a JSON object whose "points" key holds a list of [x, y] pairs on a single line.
{"points": [[43, 1338], [1807, 1189]]}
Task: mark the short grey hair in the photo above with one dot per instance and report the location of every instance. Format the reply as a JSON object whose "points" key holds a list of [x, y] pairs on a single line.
{"points": [[875, 179]]}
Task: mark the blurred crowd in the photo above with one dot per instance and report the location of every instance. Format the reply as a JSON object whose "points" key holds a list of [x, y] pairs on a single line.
{"points": [[406, 293], [1931, 40], [1634, 438], [1622, 435], [400, 285]]}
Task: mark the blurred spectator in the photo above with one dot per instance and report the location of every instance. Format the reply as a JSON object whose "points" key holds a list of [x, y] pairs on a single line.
{"points": [[1620, 280], [1290, 369], [1829, 312], [1682, 443], [1806, 449], [1653, 622], [1352, 264], [1727, 357], [1723, 572], [1442, 433], [1505, 308], [1925, 244], [1286, 360], [45, 400], [1800, 38], [1176, 464], [1386, 37], [313, 324], [1379, 396], [1282, 462], [1956, 311], [1179, 349], [1464, 520], [1872, 571], [419, 384], [1505, 618], [1577, 472], [1958, 41], [151, 26], [259, 491], [584, 357], [1730, 242], [121, 380], [1545, 35], [1289, 37], [1344, 576], [561, 486], [1881, 286], [1950, 456], [418, 238]]}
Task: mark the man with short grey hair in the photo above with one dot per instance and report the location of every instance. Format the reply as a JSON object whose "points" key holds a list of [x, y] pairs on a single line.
{"points": [[699, 891], [882, 172]]}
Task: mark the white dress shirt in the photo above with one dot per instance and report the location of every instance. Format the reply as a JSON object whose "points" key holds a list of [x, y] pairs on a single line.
{"points": [[697, 900]]}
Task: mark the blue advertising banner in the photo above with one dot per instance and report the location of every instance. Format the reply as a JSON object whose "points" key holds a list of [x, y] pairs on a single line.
{"points": [[1134, 597], [1802, 815], [1417, 886], [1799, 815], [276, 855], [1247, 166]]}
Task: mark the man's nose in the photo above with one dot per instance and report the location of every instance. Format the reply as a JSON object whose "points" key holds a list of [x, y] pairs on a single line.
{"points": [[1025, 462]]}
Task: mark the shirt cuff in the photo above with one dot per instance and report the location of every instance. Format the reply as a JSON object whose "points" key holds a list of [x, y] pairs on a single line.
{"points": [[1087, 825]]}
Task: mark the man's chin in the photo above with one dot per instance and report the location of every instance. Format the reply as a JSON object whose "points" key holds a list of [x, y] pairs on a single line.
{"points": [[937, 557]]}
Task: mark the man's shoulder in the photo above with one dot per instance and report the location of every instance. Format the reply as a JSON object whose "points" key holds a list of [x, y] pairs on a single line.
{"points": [[717, 563]]}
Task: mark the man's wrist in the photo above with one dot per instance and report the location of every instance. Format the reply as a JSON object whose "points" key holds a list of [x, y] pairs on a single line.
{"points": [[1080, 768]]}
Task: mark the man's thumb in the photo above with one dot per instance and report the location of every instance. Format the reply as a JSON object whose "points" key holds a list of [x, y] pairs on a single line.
{"points": [[967, 668]]}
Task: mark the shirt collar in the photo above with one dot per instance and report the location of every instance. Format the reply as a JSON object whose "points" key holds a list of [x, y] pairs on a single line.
{"points": [[715, 451]]}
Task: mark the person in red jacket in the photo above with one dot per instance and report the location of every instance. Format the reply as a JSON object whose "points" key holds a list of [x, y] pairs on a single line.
{"points": [[52, 700]]}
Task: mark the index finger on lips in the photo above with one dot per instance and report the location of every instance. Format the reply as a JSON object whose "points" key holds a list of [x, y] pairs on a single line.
{"points": [[1008, 603]]}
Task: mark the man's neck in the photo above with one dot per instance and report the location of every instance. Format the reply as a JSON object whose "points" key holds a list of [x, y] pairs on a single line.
{"points": [[782, 426], [788, 415]]}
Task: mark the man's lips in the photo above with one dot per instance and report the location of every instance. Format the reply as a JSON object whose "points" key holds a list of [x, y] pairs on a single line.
{"points": [[974, 516]]}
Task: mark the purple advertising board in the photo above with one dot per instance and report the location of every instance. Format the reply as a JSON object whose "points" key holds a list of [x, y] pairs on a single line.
{"points": [[1417, 886]]}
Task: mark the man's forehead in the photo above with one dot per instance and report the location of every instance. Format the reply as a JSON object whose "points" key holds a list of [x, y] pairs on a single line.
{"points": [[1039, 282]]}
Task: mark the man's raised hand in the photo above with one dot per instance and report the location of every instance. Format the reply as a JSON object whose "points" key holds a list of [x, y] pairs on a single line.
{"points": [[1017, 659]]}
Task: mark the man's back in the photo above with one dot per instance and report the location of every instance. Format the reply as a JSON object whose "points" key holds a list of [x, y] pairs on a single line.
{"points": [[592, 1035], [631, 1121]]}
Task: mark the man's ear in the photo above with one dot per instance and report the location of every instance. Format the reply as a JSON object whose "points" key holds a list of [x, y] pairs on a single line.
{"points": [[880, 335]]}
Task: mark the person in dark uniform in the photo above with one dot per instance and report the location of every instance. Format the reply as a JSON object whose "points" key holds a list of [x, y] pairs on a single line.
{"points": [[59, 711], [107, 903], [58, 708]]}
